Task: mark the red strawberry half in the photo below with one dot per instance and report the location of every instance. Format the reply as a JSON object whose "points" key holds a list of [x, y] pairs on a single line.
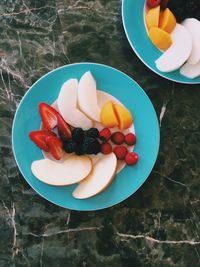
{"points": [[39, 138], [48, 115], [63, 128], [56, 146]]}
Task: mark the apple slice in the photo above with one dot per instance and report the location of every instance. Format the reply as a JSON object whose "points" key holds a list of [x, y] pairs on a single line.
{"points": [[190, 71], [193, 26], [101, 176], [178, 52], [71, 171], [67, 105], [87, 96]]}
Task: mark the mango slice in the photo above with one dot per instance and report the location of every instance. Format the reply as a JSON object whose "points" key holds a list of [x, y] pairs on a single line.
{"points": [[160, 38], [107, 115], [124, 116], [152, 17], [167, 21]]}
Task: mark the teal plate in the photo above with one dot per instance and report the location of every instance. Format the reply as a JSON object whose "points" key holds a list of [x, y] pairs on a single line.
{"points": [[115, 83], [133, 21]]}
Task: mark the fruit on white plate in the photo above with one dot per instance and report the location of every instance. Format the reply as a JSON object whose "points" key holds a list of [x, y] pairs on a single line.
{"points": [[178, 52], [190, 71], [87, 96], [67, 105], [101, 176], [193, 26], [71, 171]]}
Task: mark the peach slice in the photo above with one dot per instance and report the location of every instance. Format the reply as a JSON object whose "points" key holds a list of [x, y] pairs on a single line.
{"points": [[167, 21], [160, 38], [124, 116], [107, 115], [152, 17]]}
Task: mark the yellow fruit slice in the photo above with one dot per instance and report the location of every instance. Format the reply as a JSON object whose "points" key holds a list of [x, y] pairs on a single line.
{"points": [[124, 116], [160, 38], [152, 17], [167, 21], [107, 115]]}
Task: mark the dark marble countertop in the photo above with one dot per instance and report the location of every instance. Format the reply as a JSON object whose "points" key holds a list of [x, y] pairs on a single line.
{"points": [[157, 226]]}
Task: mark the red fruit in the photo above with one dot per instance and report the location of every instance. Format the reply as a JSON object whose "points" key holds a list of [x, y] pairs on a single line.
{"points": [[39, 138], [106, 148], [48, 115], [131, 158], [120, 152], [63, 128], [105, 134], [153, 3], [56, 146], [117, 138], [130, 139], [164, 3]]}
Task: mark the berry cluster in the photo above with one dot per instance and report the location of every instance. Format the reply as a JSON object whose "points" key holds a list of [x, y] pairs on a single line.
{"points": [[83, 142], [118, 138]]}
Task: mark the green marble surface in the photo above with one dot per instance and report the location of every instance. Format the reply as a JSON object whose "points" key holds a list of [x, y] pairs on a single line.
{"points": [[160, 224]]}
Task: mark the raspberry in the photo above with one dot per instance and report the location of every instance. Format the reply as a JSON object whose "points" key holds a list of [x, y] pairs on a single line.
{"points": [[69, 146], [130, 139], [106, 148], [117, 138], [131, 158], [92, 132], [105, 134], [78, 135], [120, 152], [91, 145]]}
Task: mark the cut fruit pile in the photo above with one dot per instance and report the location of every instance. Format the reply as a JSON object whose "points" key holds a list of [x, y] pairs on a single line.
{"points": [[74, 130], [180, 42]]}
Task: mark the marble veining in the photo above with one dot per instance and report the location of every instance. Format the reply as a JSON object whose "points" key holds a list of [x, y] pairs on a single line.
{"points": [[159, 225]]}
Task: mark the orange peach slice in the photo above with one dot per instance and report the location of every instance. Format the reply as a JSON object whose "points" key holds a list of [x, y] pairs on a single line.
{"points": [[160, 38], [167, 21], [152, 17], [107, 115], [124, 116]]}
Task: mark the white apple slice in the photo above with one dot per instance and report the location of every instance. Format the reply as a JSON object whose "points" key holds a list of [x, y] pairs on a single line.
{"points": [[193, 26], [190, 71], [87, 96], [71, 171], [178, 52], [101, 176], [67, 105]]}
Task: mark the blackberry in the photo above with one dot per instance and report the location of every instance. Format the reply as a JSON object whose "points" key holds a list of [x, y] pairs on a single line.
{"points": [[91, 146], [69, 146], [92, 132], [78, 135], [79, 150]]}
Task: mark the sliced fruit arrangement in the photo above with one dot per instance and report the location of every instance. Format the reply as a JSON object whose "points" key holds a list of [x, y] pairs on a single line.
{"points": [[115, 115], [169, 36], [74, 130]]}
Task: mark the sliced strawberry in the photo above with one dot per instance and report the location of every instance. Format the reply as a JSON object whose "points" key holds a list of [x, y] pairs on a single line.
{"points": [[64, 130], [39, 138], [48, 115], [56, 146]]}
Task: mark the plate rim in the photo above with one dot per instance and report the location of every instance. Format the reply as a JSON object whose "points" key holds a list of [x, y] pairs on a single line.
{"points": [[138, 55], [14, 121]]}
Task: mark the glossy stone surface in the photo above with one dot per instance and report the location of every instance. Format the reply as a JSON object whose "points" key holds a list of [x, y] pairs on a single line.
{"points": [[160, 224]]}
